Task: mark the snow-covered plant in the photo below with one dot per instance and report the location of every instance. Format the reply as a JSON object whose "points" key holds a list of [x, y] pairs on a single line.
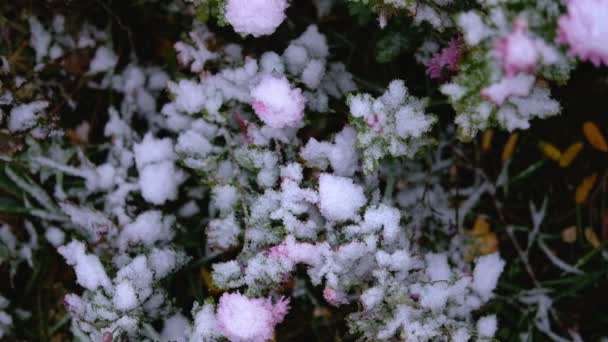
{"points": [[274, 174], [394, 124], [507, 55]]}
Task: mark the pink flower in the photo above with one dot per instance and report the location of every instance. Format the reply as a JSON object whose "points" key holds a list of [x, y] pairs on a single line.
{"points": [[373, 123], [334, 297], [446, 59], [276, 103], [585, 29], [298, 252], [520, 85], [255, 17], [243, 319], [517, 51]]}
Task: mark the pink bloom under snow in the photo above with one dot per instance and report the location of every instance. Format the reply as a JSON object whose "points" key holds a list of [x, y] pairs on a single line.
{"points": [[520, 85], [255, 17], [334, 297], [276, 103], [243, 319], [446, 59], [517, 51], [585, 30], [298, 252]]}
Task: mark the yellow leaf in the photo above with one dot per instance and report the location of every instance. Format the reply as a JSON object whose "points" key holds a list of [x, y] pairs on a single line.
{"points": [[595, 136], [584, 189], [208, 281], [550, 151], [570, 154], [481, 226], [592, 237], [483, 241], [486, 140], [509, 148]]}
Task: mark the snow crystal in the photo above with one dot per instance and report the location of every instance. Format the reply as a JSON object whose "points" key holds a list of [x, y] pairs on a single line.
{"points": [[90, 273], [24, 117], [104, 60], [341, 155], [40, 39], [159, 178], [152, 150], [204, 323], [473, 28], [188, 95], [241, 319], [437, 267], [486, 326], [124, 296], [312, 73], [159, 182], [276, 103], [520, 85], [54, 236], [340, 198], [147, 228], [225, 197], [176, 329], [485, 275]]}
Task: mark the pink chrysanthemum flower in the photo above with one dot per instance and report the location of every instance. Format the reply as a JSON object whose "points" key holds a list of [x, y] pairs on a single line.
{"points": [[276, 103], [334, 297], [243, 319], [585, 30], [255, 17], [447, 59], [517, 51]]}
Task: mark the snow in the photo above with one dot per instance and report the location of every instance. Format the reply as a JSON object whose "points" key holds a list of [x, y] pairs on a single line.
{"points": [[90, 273], [485, 275], [313, 73], [204, 327], [341, 155], [159, 182], [255, 17], [487, 326], [520, 85], [473, 28], [40, 38], [188, 95], [276, 103], [437, 267], [339, 198], [25, 116], [223, 233], [54, 236], [163, 261], [371, 297], [176, 328], [241, 319], [104, 60], [159, 178], [413, 123], [148, 228], [152, 150], [225, 197], [124, 296]]}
